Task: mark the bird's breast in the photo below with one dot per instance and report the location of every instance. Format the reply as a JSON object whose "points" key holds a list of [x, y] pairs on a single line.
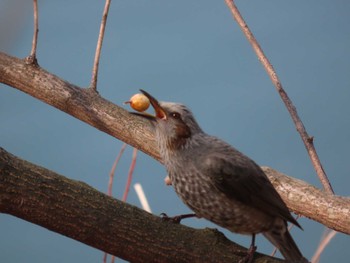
{"points": [[197, 192]]}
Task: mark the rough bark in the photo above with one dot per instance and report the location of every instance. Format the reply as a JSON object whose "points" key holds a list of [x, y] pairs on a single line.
{"points": [[330, 210], [82, 103], [76, 210]]}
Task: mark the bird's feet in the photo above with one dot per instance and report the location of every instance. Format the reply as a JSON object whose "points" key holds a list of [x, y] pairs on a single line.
{"points": [[250, 255], [175, 219]]}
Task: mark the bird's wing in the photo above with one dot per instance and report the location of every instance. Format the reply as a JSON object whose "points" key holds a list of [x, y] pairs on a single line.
{"points": [[241, 179]]}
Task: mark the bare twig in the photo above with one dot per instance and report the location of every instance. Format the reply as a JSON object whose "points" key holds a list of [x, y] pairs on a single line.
{"points": [[308, 141], [99, 46], [111, 174], [31, 59], [131, 170], [110, 186], [105, 255], [327, 237], [128, 183]]}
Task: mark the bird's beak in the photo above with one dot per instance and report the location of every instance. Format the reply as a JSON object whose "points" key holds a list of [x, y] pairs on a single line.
{"points": [[160, 112]]}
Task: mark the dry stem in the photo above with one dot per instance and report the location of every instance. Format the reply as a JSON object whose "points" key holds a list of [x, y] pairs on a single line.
{"points": [[31, 59], [131, 170], [308, 141], [93, 83], [111, 174]]}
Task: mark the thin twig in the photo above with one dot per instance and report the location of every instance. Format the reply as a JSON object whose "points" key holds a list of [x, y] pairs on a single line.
{"points": [[111, 173], [31, 59], [131, 170], [128, 183], [93, 83], [327, 237], [308, 141], [105, 255], [110, 186]]}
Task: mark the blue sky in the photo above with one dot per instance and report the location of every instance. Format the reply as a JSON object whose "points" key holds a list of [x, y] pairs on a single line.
{"points": [[184, 51]]}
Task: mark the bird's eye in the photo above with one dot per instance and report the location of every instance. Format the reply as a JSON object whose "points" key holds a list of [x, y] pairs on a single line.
{"points": [[175, 115]]}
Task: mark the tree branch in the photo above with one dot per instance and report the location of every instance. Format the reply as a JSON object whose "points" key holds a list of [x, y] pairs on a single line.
{"points": [[308, 141], [84, 104], [76, 210], [332, 211]]}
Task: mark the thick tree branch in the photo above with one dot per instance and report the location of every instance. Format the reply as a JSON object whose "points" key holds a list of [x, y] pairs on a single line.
{"points": [[76, 210], [330, 210], [89, 107], [84, 104]]}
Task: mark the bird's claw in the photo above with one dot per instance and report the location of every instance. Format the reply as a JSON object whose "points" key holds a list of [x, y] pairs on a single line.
{"points": [[249, 256], [175, 219]]}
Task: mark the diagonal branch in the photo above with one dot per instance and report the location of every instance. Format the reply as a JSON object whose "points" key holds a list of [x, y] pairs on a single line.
{"points": [[308, 141], [78, 211], [84, 104]]}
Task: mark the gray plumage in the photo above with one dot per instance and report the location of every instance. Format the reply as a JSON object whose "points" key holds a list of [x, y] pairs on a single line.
{"points": [[218, 182]]}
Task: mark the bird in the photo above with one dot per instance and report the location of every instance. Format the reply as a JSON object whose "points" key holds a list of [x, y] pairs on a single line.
{"points": [[218, 182]]}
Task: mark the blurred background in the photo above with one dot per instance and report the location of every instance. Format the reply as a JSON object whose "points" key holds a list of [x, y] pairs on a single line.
{"points": [[184, 51]]}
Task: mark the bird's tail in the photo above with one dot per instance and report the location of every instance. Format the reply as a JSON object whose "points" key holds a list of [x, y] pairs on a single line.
{"points": [[281, 238]]}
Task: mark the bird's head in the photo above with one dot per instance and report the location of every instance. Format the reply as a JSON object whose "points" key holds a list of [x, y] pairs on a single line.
{"points": [[174, 123]]}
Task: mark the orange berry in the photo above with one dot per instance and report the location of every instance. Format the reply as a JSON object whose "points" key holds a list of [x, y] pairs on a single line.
{"points": [[139, 102]]}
